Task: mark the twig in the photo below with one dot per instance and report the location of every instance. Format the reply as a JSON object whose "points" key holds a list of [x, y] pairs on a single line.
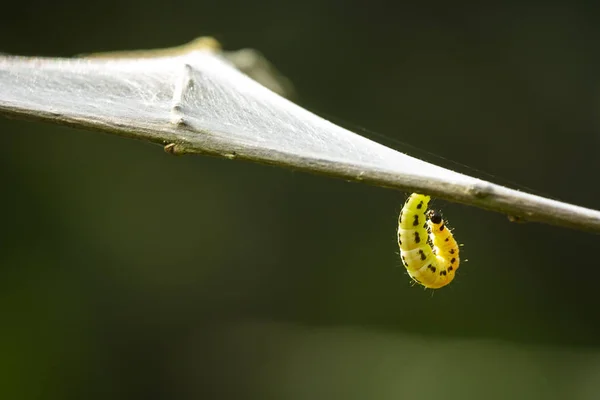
{"points": [[195, 101]]}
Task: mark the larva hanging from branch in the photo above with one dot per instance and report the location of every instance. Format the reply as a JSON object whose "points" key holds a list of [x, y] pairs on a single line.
{"points": [[427, 247]]}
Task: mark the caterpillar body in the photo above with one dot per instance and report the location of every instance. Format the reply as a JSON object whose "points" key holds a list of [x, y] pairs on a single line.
{"points": [[427, 247]]}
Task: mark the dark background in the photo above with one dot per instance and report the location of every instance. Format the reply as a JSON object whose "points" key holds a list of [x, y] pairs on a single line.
{"points": [[128, 273]]}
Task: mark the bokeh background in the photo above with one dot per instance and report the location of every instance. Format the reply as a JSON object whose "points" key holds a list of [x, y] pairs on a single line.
{"points": [[126, 273]]}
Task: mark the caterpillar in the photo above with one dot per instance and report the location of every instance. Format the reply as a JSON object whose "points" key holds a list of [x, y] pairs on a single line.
{"points": [[428, 249]]}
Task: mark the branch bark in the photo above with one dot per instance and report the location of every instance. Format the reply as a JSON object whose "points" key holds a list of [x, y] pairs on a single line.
{"points": [[195, 101]]}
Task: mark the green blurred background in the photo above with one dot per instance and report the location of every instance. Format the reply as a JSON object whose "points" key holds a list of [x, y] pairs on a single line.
{"points": [[126, 273]]}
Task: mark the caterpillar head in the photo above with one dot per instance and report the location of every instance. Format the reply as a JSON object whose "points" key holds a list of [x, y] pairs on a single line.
{"points": [[434, 216]]}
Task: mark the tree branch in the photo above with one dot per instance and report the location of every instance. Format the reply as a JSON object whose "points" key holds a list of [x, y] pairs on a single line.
{"points": [[194, 100]]}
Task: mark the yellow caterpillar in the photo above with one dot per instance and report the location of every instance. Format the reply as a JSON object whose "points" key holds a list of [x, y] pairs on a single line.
{"points": [[427, 247]]}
